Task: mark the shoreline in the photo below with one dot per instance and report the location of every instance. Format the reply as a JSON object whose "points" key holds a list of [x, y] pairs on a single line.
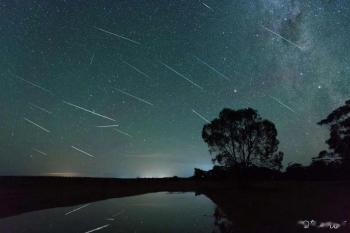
{"points": [[254, 208]]}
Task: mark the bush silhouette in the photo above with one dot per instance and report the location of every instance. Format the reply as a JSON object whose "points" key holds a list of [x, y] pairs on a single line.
{"points": [[338, 122], [242, 139]]}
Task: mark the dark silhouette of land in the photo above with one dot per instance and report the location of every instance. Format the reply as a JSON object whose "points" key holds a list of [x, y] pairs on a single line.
{"points": [[246, 182], [271, 206]]}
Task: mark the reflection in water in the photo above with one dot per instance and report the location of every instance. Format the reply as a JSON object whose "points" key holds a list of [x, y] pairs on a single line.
{"points": [[221, 222], [155, 212]]}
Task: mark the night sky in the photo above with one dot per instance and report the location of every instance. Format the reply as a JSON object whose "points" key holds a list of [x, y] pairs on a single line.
{"points": [[73, 70]]}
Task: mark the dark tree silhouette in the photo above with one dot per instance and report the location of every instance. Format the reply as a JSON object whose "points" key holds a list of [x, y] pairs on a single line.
{"points": [[199, 174], [295, 168], [296, 171], [339, 141], [221, 222], [242, 139]]}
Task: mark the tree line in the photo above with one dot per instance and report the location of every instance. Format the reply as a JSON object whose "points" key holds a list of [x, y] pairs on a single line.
{"points": [[244, 145]]}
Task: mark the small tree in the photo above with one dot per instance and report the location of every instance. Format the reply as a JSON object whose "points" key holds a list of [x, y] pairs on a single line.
{"points": [[242, 139]]}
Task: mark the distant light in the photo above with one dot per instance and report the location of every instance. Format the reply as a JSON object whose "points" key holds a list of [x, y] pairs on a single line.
{"points": [[63, 174], [319, 87], [155, 175]]}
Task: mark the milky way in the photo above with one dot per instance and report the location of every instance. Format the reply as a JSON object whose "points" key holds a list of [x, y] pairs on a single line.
{"points": [[158, 70]]}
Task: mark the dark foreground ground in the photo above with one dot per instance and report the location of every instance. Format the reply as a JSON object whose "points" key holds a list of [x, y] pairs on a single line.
{"points": [[260, 207]]}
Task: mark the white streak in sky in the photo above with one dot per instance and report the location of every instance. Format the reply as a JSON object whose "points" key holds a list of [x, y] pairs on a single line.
{"points": [[97, 229], [122, 132], [40, 108], [200, 116], [35, 124], [86, 110], [212, 68], [31, 83], [119, 36], [206, 6], [92, 58], [283, 38], [39, 151], [282, 104], [136, 69], [133, 96], [182, 76], [106, 126], [84, 152], [79, 208]]}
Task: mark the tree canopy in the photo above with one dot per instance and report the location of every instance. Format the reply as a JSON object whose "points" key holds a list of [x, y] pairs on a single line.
{"points": [[339, 140], [241, 138]]}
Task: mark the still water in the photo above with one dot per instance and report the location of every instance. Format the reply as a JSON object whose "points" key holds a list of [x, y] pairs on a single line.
{"points": [[151, 213]]}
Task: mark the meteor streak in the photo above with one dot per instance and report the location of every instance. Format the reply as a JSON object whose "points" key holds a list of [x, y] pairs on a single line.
{"points": [[207, 6], [84, 152], [31, 83], [122, 132], [282, 104], [40, 108], [35, 124], [39, 151], [133, 96], [283, 38], [136, 69], [212, 68], [182, 76], [86, 110], [119, 36], [200, 116], [106, 126]]}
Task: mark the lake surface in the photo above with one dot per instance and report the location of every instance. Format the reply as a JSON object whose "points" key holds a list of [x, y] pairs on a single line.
{"points": [[154, 212]]}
